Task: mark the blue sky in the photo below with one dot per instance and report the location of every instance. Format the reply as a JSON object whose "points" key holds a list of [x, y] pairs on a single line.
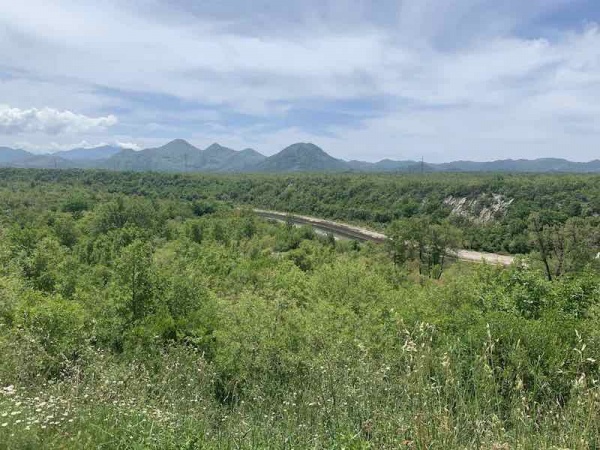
{"points": [[446, 80]]}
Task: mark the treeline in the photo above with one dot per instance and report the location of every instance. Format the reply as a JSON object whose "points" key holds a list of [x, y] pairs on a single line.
{"points": [[376, 200]]}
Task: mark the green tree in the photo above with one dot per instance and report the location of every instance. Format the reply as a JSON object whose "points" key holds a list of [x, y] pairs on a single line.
{"points": [[541, 241], [66, 231], [136, 275], [564, 248], [418, 239]]}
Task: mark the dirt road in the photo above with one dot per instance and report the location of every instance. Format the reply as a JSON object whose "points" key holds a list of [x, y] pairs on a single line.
{"points": [[362, 234]]}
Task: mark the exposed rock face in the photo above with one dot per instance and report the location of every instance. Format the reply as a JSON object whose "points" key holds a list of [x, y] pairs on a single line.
{"points": [[483, 209]]}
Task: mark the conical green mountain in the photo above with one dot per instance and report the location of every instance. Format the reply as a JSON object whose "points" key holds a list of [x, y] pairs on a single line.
{"points": [[302, 157]]}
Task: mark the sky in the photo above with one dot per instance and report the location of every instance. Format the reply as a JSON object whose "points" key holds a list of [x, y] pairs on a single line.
{"points": [[363, 79]]}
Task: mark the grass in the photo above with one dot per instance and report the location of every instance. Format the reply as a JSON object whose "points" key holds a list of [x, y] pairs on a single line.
{"points": [[418, 400]]}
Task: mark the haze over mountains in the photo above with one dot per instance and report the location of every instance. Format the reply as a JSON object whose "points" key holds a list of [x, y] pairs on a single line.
{"points": [[89, 154], [181, 156]]}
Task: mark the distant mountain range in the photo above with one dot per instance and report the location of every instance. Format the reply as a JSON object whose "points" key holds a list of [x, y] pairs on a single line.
{"points": [[89, 154], [9, 155], [181, 156]]}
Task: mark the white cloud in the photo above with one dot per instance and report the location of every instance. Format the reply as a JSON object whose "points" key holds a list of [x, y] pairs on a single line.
{"points": [[67, 145], [49, 121], [52, 147], [130, 145], [457, 77]]}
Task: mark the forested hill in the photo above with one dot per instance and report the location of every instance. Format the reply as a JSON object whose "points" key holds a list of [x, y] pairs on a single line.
{"points": [[181, 156]]}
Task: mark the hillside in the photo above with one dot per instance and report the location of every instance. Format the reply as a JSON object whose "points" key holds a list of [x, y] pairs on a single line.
{"points": [[385, 165], [181, 156], [9, 155], [89, 154], [302, 157], [243, 161], [521, 165], [175, 156], [134, 314], [46, 161]]}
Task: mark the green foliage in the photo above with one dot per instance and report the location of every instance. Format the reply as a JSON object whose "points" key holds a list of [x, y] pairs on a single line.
{"points": [[117, 214], [564, 248], [144, 321], [201, 208], [66, 231], [75, 204], [137, 280], [427, 243]]}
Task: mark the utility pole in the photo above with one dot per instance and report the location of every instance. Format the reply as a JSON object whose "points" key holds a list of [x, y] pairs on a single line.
{"points": [[422, 165], [185, 162]]}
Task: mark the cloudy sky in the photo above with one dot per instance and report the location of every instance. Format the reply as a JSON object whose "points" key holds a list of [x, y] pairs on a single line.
{"points": [[367, 79]]}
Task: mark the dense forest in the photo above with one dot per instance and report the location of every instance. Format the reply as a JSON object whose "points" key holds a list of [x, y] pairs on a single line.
{"points": [[492, 210], [142, 310]]}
